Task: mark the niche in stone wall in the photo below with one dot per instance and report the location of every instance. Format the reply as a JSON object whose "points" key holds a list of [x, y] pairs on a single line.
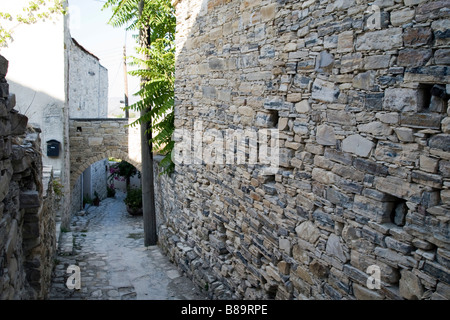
{"points": [[267, 119], [432, 98], [399, 211]]}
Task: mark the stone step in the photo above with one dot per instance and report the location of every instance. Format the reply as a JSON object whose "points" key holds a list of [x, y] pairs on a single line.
{"points": [[66, 244]]}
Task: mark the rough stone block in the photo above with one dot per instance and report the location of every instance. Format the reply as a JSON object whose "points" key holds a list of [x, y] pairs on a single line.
{"points": [[4, 90], [3, 67], [301, 81], [428, 74], [376, 128], [398, 153], [410, 286], [324, 91], [324, 220], [364, 81], [393, 258], [442, 56], [277, 104], [377, 211], [444, 168], [400, 17], [428, 164], [217, 63], [405, 134], [338, 198], [358, 145], [308, 231], [5, 179], [421, 120], [29, 199], [440, 141], [338, 156], [324, 176], [428, 179], [364, 293], [355, 274], [387, 39], [414, 57], [401, 99], [410, 3], [373, 101], [380, 61], [302, 106], [443, 257], [416, 37], [431, 10], [443, 289], [325, 135], [370, 167], [398, 245], [389, 118], [209, 92], [397, 187], [268, 12], [441, 31], [345, 42], [445, 196], [324, 62], [18, 123], [351, 62], [437, 271], [334, 248]]}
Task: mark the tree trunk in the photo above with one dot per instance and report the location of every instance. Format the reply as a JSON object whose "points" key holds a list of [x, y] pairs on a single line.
{"points": [[148, 190]]}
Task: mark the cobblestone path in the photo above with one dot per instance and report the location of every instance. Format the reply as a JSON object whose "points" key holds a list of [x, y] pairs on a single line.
{"points": [[107, 244]]}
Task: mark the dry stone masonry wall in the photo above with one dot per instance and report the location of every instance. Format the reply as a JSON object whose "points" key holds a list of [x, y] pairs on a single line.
{"points": [[359, 92], [27, 218]]}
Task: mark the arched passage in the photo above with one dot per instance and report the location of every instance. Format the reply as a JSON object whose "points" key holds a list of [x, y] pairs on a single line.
{"points": [[92, 140], [89, 161]]}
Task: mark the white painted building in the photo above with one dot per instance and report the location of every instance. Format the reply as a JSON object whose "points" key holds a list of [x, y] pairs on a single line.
{"points": [[88, 90], [54, 78]]}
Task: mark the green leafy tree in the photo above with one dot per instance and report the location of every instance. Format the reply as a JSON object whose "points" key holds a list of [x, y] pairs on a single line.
{"points": [[156, 67], [37, 10]]}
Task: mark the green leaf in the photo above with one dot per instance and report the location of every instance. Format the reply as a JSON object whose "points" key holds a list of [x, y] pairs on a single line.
{"points": [[156, 70]]}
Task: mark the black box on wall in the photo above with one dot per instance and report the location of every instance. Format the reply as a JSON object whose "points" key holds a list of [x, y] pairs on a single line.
{"points": [[53, 148]]}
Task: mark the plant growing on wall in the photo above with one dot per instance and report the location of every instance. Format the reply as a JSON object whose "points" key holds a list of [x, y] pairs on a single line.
{"points": [[123, 171], [157, 69], [35, 11]]}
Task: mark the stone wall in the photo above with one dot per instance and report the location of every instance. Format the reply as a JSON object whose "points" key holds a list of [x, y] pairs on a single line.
{"points": [[359, 93], [27, 218]]}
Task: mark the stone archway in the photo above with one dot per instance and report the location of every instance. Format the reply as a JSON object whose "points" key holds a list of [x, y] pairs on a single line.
{"points": [[89, 161], [92, 140]]}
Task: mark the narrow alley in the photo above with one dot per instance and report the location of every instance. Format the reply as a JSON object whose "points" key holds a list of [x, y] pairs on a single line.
{"points": [[107, 244]]}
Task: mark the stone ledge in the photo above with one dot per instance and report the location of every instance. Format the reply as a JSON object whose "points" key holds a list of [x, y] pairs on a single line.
{"points": [[99, 119]]}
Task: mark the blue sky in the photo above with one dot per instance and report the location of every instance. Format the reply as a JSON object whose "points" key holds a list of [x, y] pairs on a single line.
{"points": [[89, 26]]}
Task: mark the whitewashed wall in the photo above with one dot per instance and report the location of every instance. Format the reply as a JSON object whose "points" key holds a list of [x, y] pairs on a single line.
{"points": [[88, 90]]}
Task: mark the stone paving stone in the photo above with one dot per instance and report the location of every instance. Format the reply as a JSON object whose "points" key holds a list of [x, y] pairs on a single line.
{"points": [[107, 244]]}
